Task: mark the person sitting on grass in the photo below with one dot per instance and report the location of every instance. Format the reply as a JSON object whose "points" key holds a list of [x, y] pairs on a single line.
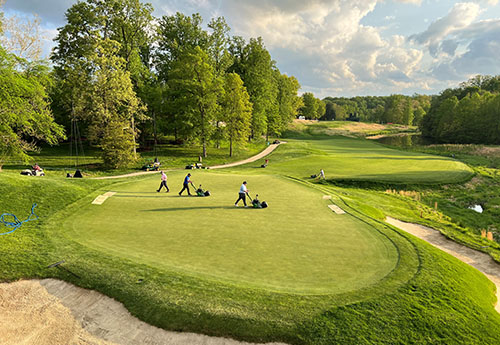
{"points": [[163, 182], [185, 186], [242, 194]]}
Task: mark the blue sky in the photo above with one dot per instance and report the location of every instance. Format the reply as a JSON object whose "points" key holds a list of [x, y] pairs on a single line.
{"points": [[346, 48]]}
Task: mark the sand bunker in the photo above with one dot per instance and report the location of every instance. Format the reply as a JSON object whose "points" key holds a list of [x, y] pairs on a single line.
{"points": [[479, 260], [53, 312]]}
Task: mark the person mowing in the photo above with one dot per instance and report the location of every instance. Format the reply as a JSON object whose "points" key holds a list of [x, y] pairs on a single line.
{"points": [[163, 182], [242, 194], [187, 181]]}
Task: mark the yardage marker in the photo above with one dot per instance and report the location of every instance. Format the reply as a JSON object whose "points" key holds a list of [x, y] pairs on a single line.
{"points": [[102, 198], [336, 209]]}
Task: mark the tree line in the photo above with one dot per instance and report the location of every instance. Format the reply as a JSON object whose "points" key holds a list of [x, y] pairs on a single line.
{"points": [[125, 77], [400, 109], [129, 76], [468, 114]]}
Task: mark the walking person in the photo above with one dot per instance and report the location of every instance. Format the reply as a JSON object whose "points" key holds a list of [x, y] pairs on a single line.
{"points": [[185, 186], [242, 194], [322, 175], [163, 182]]}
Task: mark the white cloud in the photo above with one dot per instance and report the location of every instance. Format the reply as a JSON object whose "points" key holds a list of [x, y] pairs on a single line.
{"points": [[460, 16]]}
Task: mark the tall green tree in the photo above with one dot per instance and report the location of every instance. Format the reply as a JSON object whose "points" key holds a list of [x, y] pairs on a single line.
{"points": [[25, 115], [237, 110], [177, 34], [194, 89], [255, 67], [110, 106], [310, 106], [89, 22], [288, 101]]}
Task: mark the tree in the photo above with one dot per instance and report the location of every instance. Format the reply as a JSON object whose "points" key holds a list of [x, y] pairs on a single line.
{"points": [[177, 34], [321, 108], [288, 101], [109, 104], [194, 89], [310, 108], [25, 116], [254, 65], [89, 22], [22, 37], [237, 110]]}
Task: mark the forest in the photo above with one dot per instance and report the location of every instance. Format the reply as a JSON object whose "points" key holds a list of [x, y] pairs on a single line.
{"points": [[118, 77], [468, 114]]}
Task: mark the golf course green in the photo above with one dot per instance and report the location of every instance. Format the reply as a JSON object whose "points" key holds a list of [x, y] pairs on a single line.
{"points": [[344, 158], [296, 245]]}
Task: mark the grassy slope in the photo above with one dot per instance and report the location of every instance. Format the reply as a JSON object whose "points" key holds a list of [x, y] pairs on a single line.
{"points": [[446, 302]]}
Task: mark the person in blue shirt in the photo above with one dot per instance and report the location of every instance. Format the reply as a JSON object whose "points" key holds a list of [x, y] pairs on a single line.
{"points": [[187, 181]]}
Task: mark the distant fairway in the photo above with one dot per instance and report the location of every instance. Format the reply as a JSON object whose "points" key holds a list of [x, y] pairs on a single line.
{"points": [[359, 159], [296, 245]]}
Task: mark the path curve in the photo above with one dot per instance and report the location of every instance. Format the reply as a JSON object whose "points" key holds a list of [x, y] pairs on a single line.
{"points": [[264, 153], [258, 156], [54, 312], [479, 260]]}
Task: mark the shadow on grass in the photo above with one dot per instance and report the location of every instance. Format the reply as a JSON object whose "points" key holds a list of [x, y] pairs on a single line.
{"points": [[198, 208]]}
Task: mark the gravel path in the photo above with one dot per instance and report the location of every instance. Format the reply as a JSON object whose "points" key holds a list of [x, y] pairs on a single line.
{"points": [[479, 260]]}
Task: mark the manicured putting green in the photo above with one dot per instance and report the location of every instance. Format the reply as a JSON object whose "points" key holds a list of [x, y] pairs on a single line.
{"points": [[359, 159], [296, 245]]}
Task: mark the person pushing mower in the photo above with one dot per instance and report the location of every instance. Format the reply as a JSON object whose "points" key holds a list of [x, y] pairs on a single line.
{"points": [[163, 182], [185, 186], [242, 194]]}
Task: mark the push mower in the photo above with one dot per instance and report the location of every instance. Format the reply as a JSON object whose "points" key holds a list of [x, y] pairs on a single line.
{"points": [[256, 203]]}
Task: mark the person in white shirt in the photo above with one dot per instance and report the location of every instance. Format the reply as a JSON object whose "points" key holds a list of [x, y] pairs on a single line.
{"points": [[322, 174], [242, 194], [163, 182]]}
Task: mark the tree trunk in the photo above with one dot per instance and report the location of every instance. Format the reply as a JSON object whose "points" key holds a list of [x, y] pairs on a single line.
{"points": [[217, 142], [133, 137], [230, 146]]}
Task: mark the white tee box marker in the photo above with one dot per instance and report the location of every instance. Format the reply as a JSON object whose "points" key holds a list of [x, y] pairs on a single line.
{"points": [[102, 198], [99, 200], [336, 209]]}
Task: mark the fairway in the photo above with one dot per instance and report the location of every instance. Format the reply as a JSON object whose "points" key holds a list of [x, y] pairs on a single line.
{"points": [[296, 245], [359, 159]]}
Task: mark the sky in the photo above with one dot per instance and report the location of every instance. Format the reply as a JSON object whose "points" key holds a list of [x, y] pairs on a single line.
{"points": [[345, 47]]}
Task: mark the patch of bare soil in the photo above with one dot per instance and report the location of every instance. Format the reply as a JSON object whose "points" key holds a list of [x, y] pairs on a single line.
{"points": [[479, 260], [487, 151], [53, 312]]}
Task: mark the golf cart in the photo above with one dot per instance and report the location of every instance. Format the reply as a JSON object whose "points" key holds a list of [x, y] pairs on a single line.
{"points": [[34, 171]]}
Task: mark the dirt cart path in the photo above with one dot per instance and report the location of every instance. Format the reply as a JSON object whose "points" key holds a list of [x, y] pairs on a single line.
{"points": [[53, 312], [481, 261]]}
